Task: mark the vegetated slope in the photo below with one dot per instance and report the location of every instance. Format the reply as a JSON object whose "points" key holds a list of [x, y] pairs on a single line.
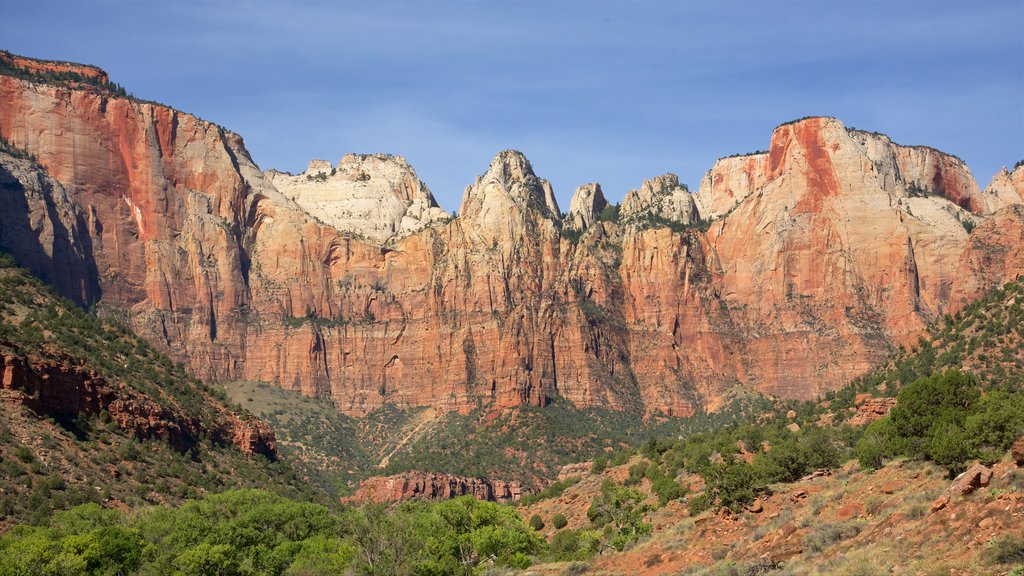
{"points": [[788, 493], [789, 272], [92, 413], [848, 522], [320, 443]]}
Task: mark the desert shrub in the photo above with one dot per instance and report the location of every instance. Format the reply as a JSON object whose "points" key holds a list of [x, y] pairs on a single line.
{"points": [[699, 503], [826, 535], [536, 522], [733, 483], [1006, 550], [575, 544], [559, 521]]}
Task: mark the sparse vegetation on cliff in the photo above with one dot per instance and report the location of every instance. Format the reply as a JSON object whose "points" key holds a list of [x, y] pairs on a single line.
{"points": [[60, 78]]}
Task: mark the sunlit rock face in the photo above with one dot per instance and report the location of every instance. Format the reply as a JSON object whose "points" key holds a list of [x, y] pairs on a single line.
{"points": [[790, 271], [374, 196]]}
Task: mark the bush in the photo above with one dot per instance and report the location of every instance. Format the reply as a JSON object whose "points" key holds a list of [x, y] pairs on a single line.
{"points": [[575, 544], [559, 521], [1005, 550], [536, 522], [621, 511], [734, 484], [699, 503], [826, 535]]}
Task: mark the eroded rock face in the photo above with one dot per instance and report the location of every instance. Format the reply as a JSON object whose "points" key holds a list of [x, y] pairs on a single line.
{"points": [[427, 486], [1006, 189], [586, 204], [827, 260], [822, 255], [660, 197], [46, 229], [374, 196], [64, 389]]}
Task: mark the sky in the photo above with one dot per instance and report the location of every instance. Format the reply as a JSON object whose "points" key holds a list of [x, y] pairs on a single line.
{"points": [[591, 91]]}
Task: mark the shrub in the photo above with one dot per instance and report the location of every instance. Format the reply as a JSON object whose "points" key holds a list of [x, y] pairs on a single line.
{"points": [[826, 535], [24, 454], [536, 522], [621, 511], [1006, 550], [699, 503], [559, 521]]}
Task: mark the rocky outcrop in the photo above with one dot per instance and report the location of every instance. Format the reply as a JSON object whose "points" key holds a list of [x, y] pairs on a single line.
{"points": [[46, 229], [821, 257], [65, 389], [869, 409], [1006, 189], [977, 476], [33, 66], [427, 486], [374, 196], [586, 204], [1017, 451], [991, 257], [662, 198]]}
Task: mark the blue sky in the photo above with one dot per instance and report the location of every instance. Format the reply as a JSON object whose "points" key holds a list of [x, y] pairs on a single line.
{"points": [[606, 91]]}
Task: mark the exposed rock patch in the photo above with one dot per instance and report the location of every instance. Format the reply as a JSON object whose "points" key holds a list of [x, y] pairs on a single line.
{"points": [[427, 486]]}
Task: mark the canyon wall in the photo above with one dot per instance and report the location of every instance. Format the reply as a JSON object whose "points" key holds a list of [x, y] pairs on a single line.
{"points": [[789, 271]]}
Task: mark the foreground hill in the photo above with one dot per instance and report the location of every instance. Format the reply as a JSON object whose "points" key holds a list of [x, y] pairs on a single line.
{"points": [[790, 272], [778, 491], [91, 413]]}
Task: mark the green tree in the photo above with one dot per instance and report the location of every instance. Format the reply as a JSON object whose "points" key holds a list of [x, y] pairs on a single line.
{"points": [[622, 509], [877, 444], [997, 421]]}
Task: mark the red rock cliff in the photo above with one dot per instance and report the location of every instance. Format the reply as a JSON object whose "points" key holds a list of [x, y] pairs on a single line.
{"points": [[426, 486], [821, 256]]}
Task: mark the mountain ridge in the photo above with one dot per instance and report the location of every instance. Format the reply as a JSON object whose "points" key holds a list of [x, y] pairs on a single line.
{"points": [[819, 258]]}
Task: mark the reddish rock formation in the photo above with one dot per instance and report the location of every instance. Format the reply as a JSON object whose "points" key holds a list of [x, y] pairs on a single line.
{"points": [[46, 229], [66, 389], [427, 486], [870, 409], [822, 256], [33, 66], [977, 476]]}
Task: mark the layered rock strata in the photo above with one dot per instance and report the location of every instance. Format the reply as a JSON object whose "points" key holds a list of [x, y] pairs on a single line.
{"points": [[64, 389], [427, 486], [819, 257]]}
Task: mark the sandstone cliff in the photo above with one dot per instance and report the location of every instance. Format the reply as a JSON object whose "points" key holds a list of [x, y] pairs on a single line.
{"points": [[820, 257], [375, 196], [46, 228], [1006, 189], [586, 204], [425, 486]]}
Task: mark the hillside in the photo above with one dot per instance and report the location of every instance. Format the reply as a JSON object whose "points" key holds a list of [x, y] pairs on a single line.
{"points": [[858, 483], [92, 413]]}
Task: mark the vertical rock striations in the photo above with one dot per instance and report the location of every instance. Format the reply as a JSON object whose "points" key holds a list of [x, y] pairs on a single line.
{"points": [[790, 271]]}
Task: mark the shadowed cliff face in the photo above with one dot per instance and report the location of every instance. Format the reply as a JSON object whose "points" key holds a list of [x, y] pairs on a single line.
{"points": [[820, 256]]}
